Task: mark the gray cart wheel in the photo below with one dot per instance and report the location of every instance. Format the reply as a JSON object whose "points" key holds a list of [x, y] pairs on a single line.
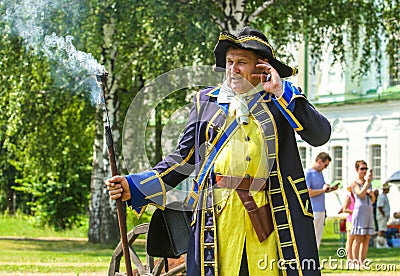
{"points": [[151, 267]]}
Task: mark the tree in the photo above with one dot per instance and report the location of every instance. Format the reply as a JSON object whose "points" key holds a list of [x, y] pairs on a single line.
{"points": [[45, 130], [168, 34]]}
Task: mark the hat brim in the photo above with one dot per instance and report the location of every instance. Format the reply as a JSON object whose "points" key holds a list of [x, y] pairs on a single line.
{"points": [[222, 47]]}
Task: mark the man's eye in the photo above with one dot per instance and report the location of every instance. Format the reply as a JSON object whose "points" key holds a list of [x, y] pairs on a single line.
{"points": [[229, 62]]}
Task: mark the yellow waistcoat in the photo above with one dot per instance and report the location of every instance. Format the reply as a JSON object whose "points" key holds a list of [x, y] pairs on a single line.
{"points": [[244, 154]]}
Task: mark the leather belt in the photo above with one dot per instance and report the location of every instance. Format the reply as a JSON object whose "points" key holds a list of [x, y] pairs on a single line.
{"points": [[261, 217], [246, 183]]}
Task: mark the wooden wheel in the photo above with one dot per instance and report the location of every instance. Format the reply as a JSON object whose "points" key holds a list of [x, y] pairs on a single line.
{"points": [[151, 267]]}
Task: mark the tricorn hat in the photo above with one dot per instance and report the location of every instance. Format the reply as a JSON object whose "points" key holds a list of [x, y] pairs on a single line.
{"points": [[253, 40]]}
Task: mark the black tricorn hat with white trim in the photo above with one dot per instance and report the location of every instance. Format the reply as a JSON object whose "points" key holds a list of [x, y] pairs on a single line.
{"points": [[253, 40]]}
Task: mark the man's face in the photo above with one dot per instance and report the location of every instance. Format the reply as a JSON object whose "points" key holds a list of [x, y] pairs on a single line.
{"points": [[323, 165], [240, 65]]}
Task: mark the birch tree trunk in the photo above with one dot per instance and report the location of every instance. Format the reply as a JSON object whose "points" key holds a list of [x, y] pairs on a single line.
{"points": [[234, 11], [103, 224], [236, 16]]}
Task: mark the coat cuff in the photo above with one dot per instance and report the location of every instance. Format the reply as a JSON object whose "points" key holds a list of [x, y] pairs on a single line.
{"points": [[286, 104], [146, 188]]}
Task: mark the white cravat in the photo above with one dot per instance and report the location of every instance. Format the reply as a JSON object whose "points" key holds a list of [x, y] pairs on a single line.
{"points": [[238, 101]]}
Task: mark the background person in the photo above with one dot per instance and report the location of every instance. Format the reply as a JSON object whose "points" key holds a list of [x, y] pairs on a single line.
{"points": [[383, 215], [363, 219], [317, 187], [348, 206], [224, 235], [376, 192]]}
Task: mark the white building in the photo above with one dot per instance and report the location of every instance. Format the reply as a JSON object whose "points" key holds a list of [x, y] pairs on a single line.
{"points": [[365, 120]]}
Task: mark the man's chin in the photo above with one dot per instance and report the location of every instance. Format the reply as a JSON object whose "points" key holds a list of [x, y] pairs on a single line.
{"points": [[237, 86], [239, 89]]}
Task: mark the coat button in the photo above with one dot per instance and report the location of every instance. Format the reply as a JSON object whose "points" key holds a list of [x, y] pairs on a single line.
{"points": [[247, 176], [247, 138], [248, 158], [217, 128]]}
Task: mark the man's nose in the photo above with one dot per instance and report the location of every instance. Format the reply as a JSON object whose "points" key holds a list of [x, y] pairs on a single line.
{"points": [[234, 68]]}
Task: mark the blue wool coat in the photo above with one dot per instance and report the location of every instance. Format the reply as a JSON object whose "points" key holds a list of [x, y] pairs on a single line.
{"points": [[286, 188]]}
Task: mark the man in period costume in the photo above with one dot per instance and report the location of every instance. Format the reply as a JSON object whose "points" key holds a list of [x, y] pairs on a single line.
{"points": [[251, 209]]}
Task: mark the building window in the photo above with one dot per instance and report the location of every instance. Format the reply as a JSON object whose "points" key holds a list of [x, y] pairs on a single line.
{"points": [[376, 161], [337, 163], [303, 158]]}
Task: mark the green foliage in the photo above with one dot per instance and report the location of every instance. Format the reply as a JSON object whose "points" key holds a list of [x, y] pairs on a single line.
{"points": [[354, 28], [46, 136], [19, 73], [174, 35], [58, 150], [132, 220], [391, 11]]}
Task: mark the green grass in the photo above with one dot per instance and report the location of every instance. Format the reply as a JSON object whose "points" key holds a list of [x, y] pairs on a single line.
{"points": [[381, 259], [53, 256], [59, 252], [56, 256], [23, 226], [25, 248]]}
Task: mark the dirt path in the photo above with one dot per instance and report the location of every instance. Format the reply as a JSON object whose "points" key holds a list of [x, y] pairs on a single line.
{"points": [[41, 238]]}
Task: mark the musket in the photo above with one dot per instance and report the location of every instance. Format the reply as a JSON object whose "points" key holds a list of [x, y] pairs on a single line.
{"points": [[114, 171]]}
